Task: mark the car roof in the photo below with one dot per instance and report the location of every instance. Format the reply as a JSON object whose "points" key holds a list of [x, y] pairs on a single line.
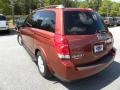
{"points": [[1, 15]]}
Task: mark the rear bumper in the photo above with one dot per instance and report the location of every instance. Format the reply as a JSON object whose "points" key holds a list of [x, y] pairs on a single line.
{"points": [[71, 73], [3, 28]]}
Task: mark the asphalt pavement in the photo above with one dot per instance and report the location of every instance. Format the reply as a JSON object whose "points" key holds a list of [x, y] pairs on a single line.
{"points": [[19, 72]]}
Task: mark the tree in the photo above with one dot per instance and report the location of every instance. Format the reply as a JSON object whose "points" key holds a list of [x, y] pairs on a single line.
{"points": [[84, 4], [94, 4], [4, 7], [66, 3], [115, 9], [22, 6], [105, 7]]}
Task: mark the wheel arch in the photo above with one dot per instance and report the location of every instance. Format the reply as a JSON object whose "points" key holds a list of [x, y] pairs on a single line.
{"points": [[42, 51], [45, 56]]}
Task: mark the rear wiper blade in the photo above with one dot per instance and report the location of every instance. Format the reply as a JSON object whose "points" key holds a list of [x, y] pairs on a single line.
{"points": [[102, 31]]}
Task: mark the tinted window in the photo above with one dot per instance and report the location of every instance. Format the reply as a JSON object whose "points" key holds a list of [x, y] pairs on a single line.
{"points": [[2, 18], [44, 20], [110, 19], [82, 23], [29, 21]]}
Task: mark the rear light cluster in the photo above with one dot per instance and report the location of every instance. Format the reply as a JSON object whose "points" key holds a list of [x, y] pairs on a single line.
{"points": [[61, 45], [7, 23]]}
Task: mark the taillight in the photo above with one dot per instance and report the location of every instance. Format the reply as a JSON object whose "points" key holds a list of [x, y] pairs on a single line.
{"points": [[7, 23], [61, 45]]}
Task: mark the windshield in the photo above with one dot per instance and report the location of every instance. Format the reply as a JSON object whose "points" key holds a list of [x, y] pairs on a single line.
{"points": [[83, 23], [2, 18]]}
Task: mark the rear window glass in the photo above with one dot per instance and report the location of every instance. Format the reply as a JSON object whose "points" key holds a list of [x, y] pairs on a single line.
{"points": [[2, 18], [83, 23], [110, 19], [117, 18]]}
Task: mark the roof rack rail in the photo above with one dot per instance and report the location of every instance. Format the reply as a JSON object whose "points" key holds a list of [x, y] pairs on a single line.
{"points": [[1, 14], [54, 6], [51, 6]]}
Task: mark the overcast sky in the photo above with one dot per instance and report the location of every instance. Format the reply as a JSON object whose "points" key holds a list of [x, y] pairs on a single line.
{"points": [[116, 0]]}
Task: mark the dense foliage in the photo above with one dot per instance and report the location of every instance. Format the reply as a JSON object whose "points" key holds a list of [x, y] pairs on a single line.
{"points": [[104, 7]]}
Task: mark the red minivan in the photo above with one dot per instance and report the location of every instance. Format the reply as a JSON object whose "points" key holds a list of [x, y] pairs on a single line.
{"points": [[69, 43]]}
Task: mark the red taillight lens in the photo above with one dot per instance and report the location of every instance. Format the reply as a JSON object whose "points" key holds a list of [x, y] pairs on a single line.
{"points": [[61, 45]]}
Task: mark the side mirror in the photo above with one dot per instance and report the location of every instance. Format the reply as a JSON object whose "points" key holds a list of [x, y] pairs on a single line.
{"points": [[18, 25], [20, 22]]}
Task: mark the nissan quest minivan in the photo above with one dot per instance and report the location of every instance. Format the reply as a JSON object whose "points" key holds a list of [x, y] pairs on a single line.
{"points": [[69, 43]]}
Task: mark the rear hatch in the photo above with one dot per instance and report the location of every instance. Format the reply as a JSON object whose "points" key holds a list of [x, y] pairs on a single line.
{"points": [[2, 21], [87, 35]]}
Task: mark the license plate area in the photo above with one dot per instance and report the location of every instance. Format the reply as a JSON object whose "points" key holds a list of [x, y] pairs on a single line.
{"points": [[98, 48]]}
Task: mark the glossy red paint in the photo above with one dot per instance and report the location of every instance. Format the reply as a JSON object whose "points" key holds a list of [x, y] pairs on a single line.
{"points": [[83, 61]]}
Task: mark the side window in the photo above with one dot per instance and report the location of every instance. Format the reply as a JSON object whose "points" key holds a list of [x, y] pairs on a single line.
{"points": [[44, 20], [29, 21]]}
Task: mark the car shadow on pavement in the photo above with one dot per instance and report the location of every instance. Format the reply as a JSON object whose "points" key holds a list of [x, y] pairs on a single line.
{"points": [[97, 81], [11, 32]]}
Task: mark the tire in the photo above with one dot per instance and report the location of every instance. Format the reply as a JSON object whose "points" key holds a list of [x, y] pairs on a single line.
{"points": [[19, 39], [42, 66], [16, 28], [7, 31]]}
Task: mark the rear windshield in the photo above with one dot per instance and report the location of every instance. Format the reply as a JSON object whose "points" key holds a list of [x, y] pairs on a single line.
{"points": [[83, 23], [109, 18], [117, 18], [2, 18]]}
